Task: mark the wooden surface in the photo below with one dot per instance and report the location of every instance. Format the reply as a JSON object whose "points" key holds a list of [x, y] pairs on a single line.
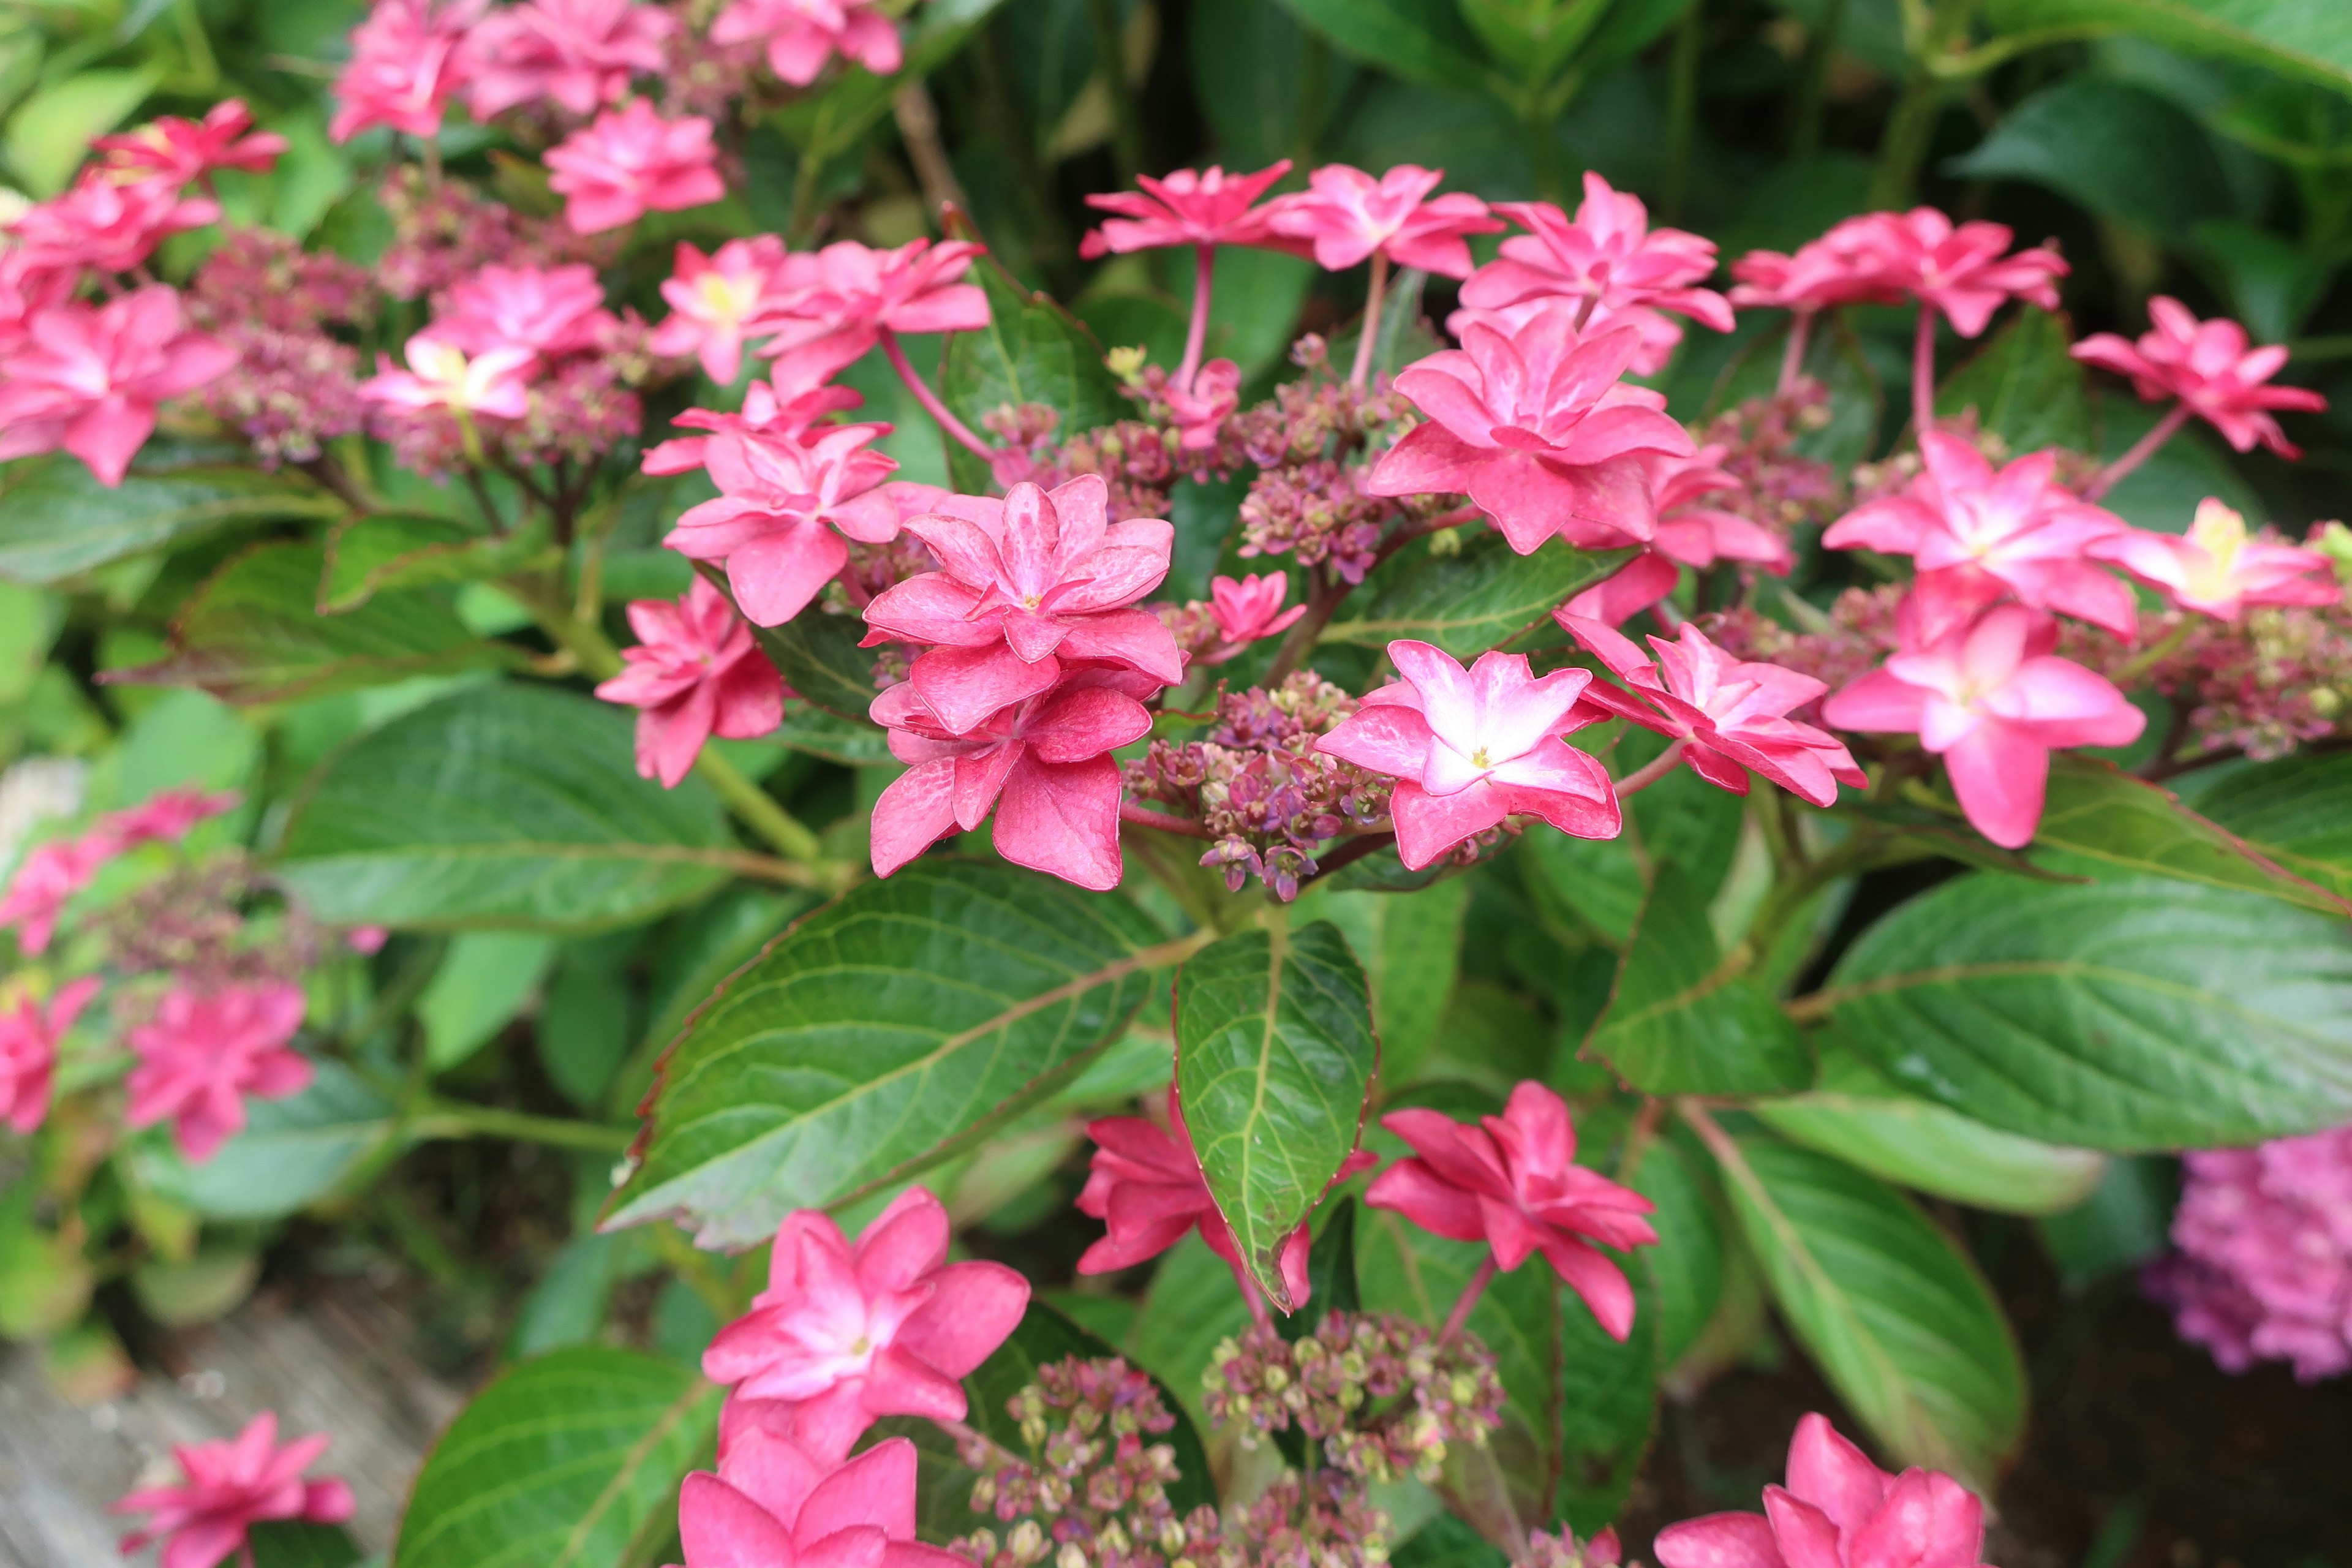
{"points": [[332, 1364]]}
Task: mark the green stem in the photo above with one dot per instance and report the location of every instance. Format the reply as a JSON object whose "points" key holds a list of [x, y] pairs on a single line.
{"points": [[758, 810], [454, 1119], [1682, 109], [1812, 107], [1904, 146], [2157, 653], [1126, 117], [1322, 603]]}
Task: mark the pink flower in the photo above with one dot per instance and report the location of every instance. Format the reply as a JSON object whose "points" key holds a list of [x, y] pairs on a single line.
{"points": [[843, 1334], [1469, 749], [2265, 1269], [164, 817], [48, 876], [1990, 698], [1251, 608], [1512, 1181], [1349, 215], [90, 377], [1028, 582], [27, 288], [1837, 1507], [1610, 262], [2217, 569], [803, 35], [406, 59], [2207, 366], [768, 410], [1200, 207], [1145, 1183], [713, 299], [550, 310], [774, 1505], [204, 1052], [1536, 427], [696, 673], [1975, 533], [1835, 270], [439, 375], [1964, 271], [28, 1051], [780, 504], [1688, 534], [230, 1486], [629, 162], [107, 223], [1731, 715], [833, 304], [1043, 766], [578, 53], [176, 152], [1201, 413]]}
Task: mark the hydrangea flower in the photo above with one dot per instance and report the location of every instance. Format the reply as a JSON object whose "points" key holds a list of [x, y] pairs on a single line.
{"points": [[629, 162], [801, 36], [1688, 532], [441, 375], [230, 1486], [205, 1051], [695, 673], [774, 1505], [714, 299], [177, 152], [2209, 368], [782, 509], [407, 59], [1990, 698], [89, 378], [575, 54], [1249, 608], [550, 310], [1347, 216], [107, 223], [2217, 569], [29, 1034], [1203, 207], [1470, 748], [48, 876], [1963, 271], [832, 305]]}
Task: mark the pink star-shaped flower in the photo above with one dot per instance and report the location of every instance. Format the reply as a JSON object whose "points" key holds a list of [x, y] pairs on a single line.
{"points": [[629, 162], [1535, 426], [107, 223], [230, 1486], [714, 299], [769, 409], [1512, 1181], [2207, 366], [1994, 702], [29, 1033], [774, 1505], [550, 310], [782, 509], [830, 306], [1963, 271], [1249, 608], [1470, 748], [205, 1051], [89, 378], [1975, 533], [1688, 533], [1198, 207], [1349, 215], [2217, 569], [696, 673], [1731, 715], [801, 36], [176, 152], [847, 1334], [407, 59], [49, 875], [1837, 1507], [575, 54]]}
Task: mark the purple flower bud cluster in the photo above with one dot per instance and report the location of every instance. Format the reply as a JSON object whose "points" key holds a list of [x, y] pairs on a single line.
{"points": [[1308, 499], [1546, 1550], [2264, 1266], [1315, 510], [1140, 462], [1376, 1390], [1778, 488], [582, 411], [443, 231], [294, 386], [202, 924], [1266, 797]]}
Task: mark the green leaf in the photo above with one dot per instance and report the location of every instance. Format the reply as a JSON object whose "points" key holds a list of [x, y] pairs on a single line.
{"points": [[2294, 37], [1411, 952], [1681, 820], [2024, 386], [819, 658], [366, 555], [1274, 1057], [2296, 811], [1419, 40], [1032, 351], [1248, 59], [293, 1150], [584, 1033], [1446, 1542], [564, 1462], [1893, 1313], [45, 1282], [840, 113], [500, 805], [202, 1290], [1482, 596], [888, 1030], [1685, 1020], [1047, 1334], [567, 1306], [1859, 1116], [253, 634], [2117, 148], [2134, 1014], [1686, 1266], [2097, 812], [291, 1544], [2125, 1222], [57, 522], [51, 131], [486, 979]]}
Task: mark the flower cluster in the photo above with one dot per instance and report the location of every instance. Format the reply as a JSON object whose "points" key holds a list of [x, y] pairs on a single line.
{"points": [[1264, 792], [226, 1488], [295, 384], [2264, 1266], [1381, 1394], [1092, 1481]]}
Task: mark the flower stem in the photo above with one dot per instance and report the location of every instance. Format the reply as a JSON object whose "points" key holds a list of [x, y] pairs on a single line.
{"points": [[1167, 822], [454, 1119], [2155, 653], [1923, 373], [2141, 451], [956, 428], [1792, 358], [758, 809], [1196, 335], [1651, 772], [1468, 1299], [1374, 299]]}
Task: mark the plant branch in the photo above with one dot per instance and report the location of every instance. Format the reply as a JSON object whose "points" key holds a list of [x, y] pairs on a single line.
{"points": [[2155, 653], [2141, 450], [1166, 822], [958, 431], [1468, 1299], [1374, 299], [1196, 332], [1651, 772], [759, 811], [1923, 373], [450, 1119]]}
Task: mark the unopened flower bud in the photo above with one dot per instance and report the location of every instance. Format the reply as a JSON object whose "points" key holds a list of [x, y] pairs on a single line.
{"points": [[1071, 1555]]}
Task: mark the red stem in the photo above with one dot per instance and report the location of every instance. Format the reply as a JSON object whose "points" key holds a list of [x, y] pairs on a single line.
{"points": [[955, 427], [2141, 451], [1371, 334], [1792, 358], [1923, 373], [1144, 816], [1466, 1300], [1651, 772], [1196, 336]]}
